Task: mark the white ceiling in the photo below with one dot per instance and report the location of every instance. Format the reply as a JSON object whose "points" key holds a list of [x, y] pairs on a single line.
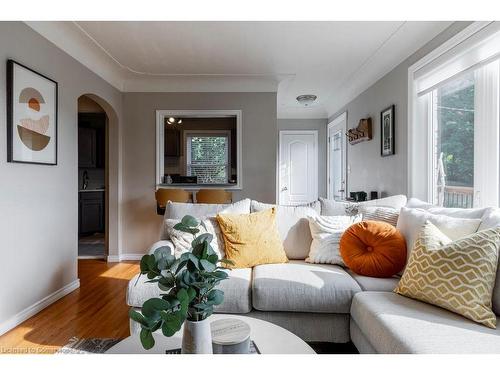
{"points": [[334, 60]]}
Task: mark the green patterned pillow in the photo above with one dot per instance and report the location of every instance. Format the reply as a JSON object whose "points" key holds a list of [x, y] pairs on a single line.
{"points": [[456, 275]]}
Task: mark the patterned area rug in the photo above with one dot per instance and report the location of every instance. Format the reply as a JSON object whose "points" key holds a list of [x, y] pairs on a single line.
{"points": [[87, 346], [96, 345]]}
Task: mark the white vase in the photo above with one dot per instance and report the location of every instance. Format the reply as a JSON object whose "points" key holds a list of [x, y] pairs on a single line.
{"points": [[197, 338]]}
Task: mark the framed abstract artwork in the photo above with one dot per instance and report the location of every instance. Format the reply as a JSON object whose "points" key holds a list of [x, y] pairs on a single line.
{"points": [[31, 116], [387, 132]]}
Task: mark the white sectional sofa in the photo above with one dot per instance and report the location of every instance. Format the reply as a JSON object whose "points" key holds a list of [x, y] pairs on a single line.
{"points": [[322, 302]]}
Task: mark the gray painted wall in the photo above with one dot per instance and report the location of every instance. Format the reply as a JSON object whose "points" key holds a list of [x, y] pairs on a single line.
{"points": [[320, 126], [368, 170], [39, 204], [141, 224]]}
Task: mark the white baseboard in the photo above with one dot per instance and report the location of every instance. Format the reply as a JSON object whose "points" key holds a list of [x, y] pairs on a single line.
{"points": [[122, 257], [37, 307], [113, 258], [91, 257]]}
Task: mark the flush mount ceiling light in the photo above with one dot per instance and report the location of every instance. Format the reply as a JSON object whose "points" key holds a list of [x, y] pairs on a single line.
{"points": [[173, 121], [306, 100]]}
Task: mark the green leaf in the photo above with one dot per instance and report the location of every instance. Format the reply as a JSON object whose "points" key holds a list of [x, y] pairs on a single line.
{"points": [[144, 264], [205, 237], [216, 297], [191, 294], [164, 258], [137, 317], [168, 329], [162, 252], [147, 339], [178, 266], [213, 258], [166, 282], [207, 266], [220, 274], [182, 295], [190, 221], [151, 261], [227, 261], [198, 249], [153, 306]]}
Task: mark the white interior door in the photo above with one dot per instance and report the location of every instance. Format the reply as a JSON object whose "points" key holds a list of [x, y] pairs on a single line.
{"points": [[298, 167], [337, 158]]}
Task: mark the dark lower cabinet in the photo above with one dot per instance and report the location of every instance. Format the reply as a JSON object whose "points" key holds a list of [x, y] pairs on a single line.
{"points": [[91, 212]]}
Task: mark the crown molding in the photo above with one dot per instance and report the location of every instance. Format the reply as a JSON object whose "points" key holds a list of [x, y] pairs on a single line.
{"points": [[70, 38]]}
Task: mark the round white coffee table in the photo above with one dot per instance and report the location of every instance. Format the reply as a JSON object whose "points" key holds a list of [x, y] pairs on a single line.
{"points": [[269, 339]]}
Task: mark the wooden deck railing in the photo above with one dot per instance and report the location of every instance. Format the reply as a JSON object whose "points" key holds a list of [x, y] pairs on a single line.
{"points": [[458, 196]]}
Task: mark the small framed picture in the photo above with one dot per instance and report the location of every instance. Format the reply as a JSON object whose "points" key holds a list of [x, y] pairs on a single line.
{"points": [[31, 116], [387, 131]]}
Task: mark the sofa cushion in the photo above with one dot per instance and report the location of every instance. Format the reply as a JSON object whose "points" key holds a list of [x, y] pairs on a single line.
{"points": [[293, 226], [237, 292], [330, 207], [177, 211], [375, 284], [397, 324], [303, 287]]}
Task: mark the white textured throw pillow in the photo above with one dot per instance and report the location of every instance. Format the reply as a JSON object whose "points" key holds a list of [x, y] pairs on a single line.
{"points": [[175, 210], [326, 232], [182, 240], [386, 214], [411, 221]]}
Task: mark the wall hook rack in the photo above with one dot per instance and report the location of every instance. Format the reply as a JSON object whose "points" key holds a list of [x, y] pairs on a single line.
{"points": [[361, 133]]}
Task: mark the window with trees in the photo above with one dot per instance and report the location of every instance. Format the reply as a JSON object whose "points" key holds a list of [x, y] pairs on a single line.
{"points": [[208, 157], [454, 135]]}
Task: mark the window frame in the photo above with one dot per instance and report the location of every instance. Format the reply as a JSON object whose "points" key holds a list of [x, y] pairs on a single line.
{"points": [[420, 135], [162, 114]]}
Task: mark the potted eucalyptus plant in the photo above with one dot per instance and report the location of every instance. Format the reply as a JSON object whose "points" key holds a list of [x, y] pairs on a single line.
{"points": [[190, 296]]}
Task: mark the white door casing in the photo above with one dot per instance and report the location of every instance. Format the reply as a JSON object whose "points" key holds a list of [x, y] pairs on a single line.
{"points": [[337, 157], [298, 167]]}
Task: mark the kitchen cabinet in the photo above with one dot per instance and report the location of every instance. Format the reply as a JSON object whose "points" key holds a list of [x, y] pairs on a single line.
{"points": [[91, 140], [91, 212], [172, 142], [87, 148]]}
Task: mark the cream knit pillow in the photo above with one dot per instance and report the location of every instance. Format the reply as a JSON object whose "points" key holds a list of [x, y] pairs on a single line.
{"points": [[456, 275], [182, 240], [326, 232]]}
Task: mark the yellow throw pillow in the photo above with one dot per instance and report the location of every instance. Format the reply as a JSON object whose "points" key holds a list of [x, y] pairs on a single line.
{"points": [[456, 275], [252, 239]]}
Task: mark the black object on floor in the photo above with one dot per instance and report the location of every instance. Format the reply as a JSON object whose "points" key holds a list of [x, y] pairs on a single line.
{"points": [[333, 348]]}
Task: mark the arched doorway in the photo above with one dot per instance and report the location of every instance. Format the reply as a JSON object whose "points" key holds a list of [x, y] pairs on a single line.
{"points": [[93, 123], [112, 177]]}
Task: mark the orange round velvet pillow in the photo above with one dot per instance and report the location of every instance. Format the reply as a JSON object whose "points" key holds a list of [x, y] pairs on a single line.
{"points": [[373, 248]]}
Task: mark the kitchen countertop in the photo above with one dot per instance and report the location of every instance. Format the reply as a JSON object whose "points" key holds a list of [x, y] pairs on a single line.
{"points": [[90, 190]]}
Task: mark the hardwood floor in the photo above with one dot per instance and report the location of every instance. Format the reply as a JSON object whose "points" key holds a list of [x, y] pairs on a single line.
{"points": [[96, 309]]}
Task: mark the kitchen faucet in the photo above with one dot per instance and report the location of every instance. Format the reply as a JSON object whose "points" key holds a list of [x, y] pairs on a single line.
{"points": [[85, 179]]}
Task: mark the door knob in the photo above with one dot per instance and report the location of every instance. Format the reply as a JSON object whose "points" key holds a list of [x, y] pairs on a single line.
{"points": [[284, 189]]}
